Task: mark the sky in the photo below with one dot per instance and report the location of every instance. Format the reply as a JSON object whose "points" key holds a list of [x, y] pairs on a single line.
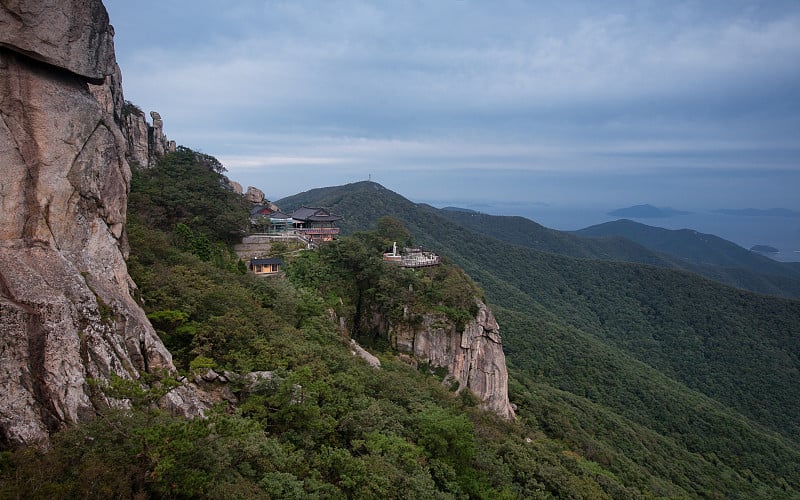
{"points": [[687, 104]]}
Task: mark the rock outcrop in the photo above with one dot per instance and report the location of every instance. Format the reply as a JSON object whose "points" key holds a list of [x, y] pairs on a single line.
{"points": [[136, 131], [146, 143], [66, 310], [474, 357], [157, 140], [72, 35], [254, 195], [359, 351]]}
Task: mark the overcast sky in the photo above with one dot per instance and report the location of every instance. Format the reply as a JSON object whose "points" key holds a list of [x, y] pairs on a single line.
{"points": [[684, 104]]}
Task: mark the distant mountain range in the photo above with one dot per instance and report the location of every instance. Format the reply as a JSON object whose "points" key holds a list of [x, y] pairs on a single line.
{"points": [[704, 254], [646, 212], [755, 212], [630, 241], [622, 241]]}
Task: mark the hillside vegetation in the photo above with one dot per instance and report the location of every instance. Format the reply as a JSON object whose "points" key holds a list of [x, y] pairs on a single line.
{"points": [[606, 408], [708, 367], [628, 241], [325, 424]]}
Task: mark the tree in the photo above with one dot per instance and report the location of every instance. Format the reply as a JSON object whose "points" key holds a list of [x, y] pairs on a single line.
{"points": [[393, 230]]}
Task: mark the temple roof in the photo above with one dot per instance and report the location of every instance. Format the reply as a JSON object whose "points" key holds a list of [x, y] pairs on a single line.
{"points": [[280, 216], [260, 210], [314, 214]]}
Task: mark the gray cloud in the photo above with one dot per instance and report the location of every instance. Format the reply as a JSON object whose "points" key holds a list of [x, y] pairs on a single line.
{"points": [[513, 85]]}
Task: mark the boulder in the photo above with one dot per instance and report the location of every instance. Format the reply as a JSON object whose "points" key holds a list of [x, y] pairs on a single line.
{"points": [[254, 195], [359, 351]]}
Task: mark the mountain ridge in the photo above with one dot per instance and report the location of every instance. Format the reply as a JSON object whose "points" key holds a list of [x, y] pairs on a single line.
{"points": [[647, 211], [560, 285], [609, 242], [691, 246]]}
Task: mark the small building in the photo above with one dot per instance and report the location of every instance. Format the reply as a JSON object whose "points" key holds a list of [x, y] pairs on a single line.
{"points": [[280, 222], [260, 211], [265, 220], [265, 267], [318, 224]]}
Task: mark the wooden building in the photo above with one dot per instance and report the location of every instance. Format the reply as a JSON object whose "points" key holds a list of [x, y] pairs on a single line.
{"points": [[265, 267], [318, 224]]}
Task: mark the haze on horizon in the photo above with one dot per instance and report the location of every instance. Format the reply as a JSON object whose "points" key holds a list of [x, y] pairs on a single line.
{"points": [[692, 104]]}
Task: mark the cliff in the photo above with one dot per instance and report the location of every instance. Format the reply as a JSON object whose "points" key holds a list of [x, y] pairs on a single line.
{"points": [[473, 357], [145, 143], [66, 310]]}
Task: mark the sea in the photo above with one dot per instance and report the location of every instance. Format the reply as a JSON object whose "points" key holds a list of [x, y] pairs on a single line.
{"points": [[780, 232]]}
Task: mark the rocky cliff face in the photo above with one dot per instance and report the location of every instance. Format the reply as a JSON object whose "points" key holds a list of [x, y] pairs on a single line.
{"points": [[473, 357], [66, 311], [145, 143]]}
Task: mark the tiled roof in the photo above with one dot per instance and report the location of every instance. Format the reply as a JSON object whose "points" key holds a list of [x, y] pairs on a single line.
{"points": [[314, 214], [260, 210], [279, 215], [265, 261]]}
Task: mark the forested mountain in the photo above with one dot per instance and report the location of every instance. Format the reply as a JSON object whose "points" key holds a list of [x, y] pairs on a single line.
{"points": [[668, 350], [629, 241], [140, 358], [631, 381], [522, 231], [691, 246], [690, 327]]}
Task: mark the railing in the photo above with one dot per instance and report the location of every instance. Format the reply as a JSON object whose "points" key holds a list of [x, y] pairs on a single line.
{"points": [[420, 260], [281, 236], [318, 230]]}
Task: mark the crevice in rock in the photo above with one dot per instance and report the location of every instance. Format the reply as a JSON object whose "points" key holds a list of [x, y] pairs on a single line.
{"points": [[92, 390], [11, 13], [37, 343]]}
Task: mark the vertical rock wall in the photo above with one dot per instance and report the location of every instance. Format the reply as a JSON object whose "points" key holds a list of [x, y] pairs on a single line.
{"points": [[145, 143], [66, 310], [473, 357]]}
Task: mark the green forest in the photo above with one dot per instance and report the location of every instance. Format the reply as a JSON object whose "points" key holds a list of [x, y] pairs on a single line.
{"points": [[630, 380]]}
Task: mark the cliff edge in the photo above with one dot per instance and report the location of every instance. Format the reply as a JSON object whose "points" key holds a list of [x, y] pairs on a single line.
{"points": [[473, 357], [66, 310]]}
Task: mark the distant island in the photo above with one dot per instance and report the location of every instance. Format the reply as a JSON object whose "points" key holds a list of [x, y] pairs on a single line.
{"points": [[764, 249], [646, 212], [755, 212]]}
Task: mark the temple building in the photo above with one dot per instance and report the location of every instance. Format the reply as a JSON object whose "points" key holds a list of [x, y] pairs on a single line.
{"points": [[318, 224]]}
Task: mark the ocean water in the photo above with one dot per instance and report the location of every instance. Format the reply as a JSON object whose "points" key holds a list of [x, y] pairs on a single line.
{"points": [[782, 233]]}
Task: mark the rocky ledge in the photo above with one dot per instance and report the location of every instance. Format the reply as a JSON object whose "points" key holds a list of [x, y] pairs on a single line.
{"points": [[473, 357]]}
